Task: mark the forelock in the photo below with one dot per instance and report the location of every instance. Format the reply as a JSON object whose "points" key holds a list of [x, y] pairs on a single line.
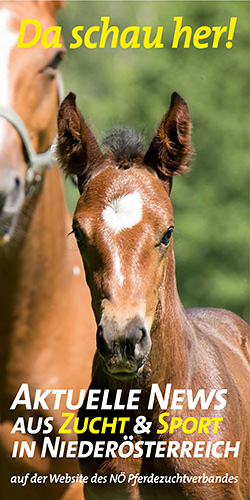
{"points": [[124, 143]]}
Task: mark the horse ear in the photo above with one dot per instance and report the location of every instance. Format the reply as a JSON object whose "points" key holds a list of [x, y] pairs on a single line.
{"points": [[170, 150], [77, 149]]}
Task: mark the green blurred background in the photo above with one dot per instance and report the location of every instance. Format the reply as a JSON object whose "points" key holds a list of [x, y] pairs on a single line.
{"points": [[133, 86]]}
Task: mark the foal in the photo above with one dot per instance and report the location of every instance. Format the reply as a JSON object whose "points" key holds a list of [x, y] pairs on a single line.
{"points": [[123, 225]]}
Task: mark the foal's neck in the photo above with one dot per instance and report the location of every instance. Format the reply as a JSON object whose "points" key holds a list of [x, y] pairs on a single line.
{"points": [[172, 334]]}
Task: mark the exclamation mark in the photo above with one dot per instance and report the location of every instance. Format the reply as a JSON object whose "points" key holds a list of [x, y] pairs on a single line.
{"points": [[231, 31]]}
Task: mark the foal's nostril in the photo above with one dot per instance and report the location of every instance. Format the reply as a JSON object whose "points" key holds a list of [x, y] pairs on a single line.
{"points": [[99, 331], [142, 335], [142, 344], [100, 341]]}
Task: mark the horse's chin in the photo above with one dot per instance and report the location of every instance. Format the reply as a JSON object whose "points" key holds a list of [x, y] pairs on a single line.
{"points": [[122, 373]]}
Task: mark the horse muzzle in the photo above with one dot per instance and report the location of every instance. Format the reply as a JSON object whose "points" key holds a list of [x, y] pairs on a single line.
{"points": [[123, 350]]}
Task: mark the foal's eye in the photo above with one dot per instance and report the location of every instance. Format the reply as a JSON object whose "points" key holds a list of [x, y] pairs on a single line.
{"points": [[78, 235], [166, 237]]}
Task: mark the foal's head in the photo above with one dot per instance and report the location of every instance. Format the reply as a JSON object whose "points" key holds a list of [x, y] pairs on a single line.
{"points": [[123, 225]]}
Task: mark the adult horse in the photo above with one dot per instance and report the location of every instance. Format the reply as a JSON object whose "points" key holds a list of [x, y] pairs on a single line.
{"points": [[123, 224], [45, 313]]}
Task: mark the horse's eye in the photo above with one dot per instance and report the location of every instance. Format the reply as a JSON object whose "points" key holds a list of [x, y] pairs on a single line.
{"points": [[51, 68], [78, 235], [166, 237], [56, 60]]}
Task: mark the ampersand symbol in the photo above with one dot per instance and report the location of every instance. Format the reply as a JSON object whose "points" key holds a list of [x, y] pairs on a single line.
{"points": [[142, 425]]}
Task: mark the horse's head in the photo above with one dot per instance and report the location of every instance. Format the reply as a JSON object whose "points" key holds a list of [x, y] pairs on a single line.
{"points": [[123, 225], [29, 87]]}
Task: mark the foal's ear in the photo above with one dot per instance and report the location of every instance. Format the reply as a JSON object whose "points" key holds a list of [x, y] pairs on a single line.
{"points": [[77, 149], [170, 150]]}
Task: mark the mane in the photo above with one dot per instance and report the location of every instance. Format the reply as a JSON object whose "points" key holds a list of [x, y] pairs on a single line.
{"points": [[124, 143]]}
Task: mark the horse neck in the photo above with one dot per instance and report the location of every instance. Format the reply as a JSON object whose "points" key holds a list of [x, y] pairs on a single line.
{"points": [[173, 335], [31, 271]]}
